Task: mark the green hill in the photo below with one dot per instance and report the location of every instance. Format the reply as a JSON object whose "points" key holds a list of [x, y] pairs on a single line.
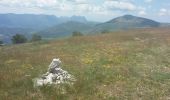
{"points": [[11, 24], [133, 21], [50, 27], [65, 29], [126, 22], [123, 65]]}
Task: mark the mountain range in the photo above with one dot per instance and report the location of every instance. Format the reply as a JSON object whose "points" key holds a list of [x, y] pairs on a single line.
{"points": [[36, 22], [66, 29], [26, 24], [50, 26]]}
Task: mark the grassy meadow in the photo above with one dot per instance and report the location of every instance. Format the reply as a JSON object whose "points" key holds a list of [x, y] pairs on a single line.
{"points": [[123, 65]]}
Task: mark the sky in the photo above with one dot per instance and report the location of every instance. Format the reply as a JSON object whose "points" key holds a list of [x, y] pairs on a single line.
{"points": [[94, 10]]}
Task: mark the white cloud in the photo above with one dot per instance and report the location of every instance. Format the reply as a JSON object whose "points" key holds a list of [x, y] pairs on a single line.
{"points": [[70, 5], [30, 3], [148, 1], [105, 8], [79, 1], [108, 7], [164, 12], [64, 7], [142, 13], [121, 5], [141, 8]]}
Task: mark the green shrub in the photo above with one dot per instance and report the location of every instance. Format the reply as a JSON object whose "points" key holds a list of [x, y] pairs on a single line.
{"points": [[1, 42], [105, 31], [77, 34], [19, 38], [36, 37]]}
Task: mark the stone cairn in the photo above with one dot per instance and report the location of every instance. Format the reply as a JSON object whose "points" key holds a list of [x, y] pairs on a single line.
{"points": [[55, 75]]}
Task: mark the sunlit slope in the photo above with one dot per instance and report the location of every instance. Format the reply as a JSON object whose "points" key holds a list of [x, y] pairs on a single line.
{"points": [[131, 66], [126, 22]]}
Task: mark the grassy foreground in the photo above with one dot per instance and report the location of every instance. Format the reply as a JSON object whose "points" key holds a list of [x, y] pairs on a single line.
{"points": [[125, 65]]}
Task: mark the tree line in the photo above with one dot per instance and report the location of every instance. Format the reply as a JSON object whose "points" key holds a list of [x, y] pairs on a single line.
{"points": [[20, 38]]}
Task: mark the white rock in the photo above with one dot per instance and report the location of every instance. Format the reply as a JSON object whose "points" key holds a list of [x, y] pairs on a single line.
{"points": [[55, 75]]}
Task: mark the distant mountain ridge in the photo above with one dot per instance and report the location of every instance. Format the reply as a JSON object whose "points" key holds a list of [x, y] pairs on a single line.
{"points": [[11, 24], [81, 19], [35, 21], [65, 29], [27, 21], [50, 26]]}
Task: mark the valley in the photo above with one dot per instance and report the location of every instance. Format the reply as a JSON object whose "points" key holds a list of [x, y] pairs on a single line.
{"points": [[52, 27]]}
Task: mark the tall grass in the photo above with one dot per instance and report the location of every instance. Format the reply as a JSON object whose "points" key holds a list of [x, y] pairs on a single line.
{"points": [[129, 65]]}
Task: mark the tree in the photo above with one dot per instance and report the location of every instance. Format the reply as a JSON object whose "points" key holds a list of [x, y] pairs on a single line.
{"points": [[105, 31], [1, 43], [36, 37], [19, 38], [75, 33]]}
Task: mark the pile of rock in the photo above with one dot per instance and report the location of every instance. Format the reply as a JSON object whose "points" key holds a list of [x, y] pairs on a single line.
{"points": [[55, 75]]}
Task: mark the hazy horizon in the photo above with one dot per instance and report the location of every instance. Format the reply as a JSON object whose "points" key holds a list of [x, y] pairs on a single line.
{"points": [[97, 10]]}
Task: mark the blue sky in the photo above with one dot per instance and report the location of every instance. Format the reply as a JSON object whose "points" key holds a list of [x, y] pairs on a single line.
{"points": [[96, 10]]}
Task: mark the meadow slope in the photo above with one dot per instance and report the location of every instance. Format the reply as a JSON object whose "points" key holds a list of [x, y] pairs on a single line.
{"points": [[124, 65]]}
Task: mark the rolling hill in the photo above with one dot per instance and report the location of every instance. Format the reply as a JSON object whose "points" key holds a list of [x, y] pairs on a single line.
{"points": [[124, 65], [119, 23], [49, 26], [10, 24], [125, 22], [65, 29]]}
